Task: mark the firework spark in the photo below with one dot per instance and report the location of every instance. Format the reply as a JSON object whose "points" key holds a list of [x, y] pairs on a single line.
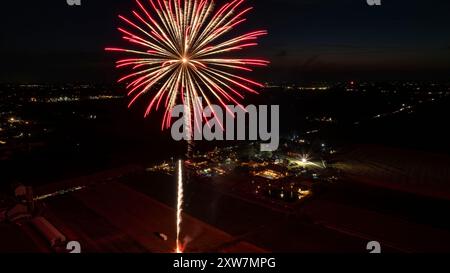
{"points": [[179, 247], [178, 55]]}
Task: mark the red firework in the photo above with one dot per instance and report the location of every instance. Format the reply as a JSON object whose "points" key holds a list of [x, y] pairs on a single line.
{"points": [[179, 44]]}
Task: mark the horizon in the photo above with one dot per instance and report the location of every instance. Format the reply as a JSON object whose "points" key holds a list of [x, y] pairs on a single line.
{"points": [[345, 40]]}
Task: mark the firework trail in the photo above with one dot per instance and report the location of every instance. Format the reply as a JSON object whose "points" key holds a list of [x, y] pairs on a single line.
{"points": [[178, 55], [179, 246]]}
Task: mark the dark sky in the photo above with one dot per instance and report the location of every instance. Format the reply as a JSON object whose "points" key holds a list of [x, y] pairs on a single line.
{"points": [[309, 40]]}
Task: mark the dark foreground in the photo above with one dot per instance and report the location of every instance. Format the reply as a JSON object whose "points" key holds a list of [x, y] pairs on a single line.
{"points": [[124, 210]]}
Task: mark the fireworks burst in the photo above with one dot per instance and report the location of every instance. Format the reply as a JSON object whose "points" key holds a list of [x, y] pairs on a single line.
{"points": [[179, 55]]}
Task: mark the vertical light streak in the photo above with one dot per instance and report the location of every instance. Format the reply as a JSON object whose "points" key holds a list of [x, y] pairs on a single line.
{"points": [[179, 247]]}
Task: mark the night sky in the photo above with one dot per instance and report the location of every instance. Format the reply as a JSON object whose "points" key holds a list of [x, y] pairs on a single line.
{"points": [[309, 40]]}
